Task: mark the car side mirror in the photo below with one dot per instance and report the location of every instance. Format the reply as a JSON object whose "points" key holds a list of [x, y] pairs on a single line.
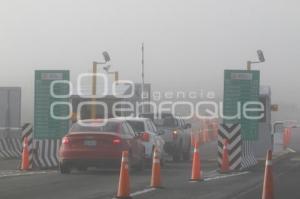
{"points": [[188, 126]]}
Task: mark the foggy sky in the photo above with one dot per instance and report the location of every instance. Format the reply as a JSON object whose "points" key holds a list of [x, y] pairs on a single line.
{"points": [[188, 44]]}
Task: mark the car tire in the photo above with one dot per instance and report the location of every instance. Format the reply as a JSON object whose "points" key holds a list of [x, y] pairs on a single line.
{"points": [[64, 169], [178, 154]]}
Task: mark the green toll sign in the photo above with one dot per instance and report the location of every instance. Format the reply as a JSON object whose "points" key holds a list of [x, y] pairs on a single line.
{"points": [[241, 92], [51, 104]]}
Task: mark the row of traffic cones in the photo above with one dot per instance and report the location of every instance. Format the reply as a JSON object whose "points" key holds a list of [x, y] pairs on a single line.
{"points": [[196, 176], [196, 166], [124, 182]]}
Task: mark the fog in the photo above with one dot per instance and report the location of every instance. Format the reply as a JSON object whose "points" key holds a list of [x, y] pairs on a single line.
{"points": [[188, 44]]}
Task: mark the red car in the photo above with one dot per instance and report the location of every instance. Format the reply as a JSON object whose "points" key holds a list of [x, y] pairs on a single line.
{"points": [[91, 144]]}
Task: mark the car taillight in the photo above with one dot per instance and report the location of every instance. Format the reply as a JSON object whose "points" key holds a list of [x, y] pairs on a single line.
{"points": [[66, 140], [145, 137], [174, 134], [116, 141]]}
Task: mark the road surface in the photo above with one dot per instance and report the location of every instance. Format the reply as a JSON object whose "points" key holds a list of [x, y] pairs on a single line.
{"points": [[103, 183]]}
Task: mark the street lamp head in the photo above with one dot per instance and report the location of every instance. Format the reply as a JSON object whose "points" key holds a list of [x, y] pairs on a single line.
{"points": [[106, 56], [260, 55]]}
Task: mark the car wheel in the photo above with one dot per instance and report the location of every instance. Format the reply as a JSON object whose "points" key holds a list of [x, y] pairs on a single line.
{"points": [[64, 169], [178, 154]]}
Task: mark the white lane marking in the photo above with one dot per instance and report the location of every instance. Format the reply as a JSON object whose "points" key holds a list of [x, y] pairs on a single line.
{"points": [[23, 173], [210, 173], [226, 176], [142, 192], [291, 150]]}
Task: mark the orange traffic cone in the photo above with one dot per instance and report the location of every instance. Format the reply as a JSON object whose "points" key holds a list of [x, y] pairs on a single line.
{"points": [[25, 155], [155, 178], [268, 179], [196, 167], [285, 138], [225, 158], [124, 186]]}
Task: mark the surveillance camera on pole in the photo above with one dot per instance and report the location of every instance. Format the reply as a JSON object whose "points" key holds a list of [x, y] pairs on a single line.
{"points": [[94, 81], [260, 55], [106, 56], [261, 59]]}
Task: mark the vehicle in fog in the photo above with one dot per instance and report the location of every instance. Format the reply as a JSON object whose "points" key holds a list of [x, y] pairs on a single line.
{"points": [[175, 133], [150, 136], [93, 145]]}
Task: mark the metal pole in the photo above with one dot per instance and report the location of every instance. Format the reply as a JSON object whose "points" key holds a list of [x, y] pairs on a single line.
{"points": [[116, 76], [143, 78], [249, 65], [94, 83]]}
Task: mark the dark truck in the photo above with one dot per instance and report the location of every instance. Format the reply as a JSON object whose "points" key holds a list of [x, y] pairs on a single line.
{"points": [[176, 134]]}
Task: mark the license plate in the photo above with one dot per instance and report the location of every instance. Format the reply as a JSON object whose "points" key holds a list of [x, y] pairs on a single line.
{"points": [[90, 142]]}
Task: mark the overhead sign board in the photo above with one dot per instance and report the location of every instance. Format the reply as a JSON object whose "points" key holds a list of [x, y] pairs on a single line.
{"points": [[51, 104], [240, 87]]}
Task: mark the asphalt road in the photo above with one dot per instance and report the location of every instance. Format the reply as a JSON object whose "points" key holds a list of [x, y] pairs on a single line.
{"points": [[103, 184], [91, 184]]}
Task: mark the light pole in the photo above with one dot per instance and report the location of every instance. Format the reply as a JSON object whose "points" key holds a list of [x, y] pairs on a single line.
{"points": [[261, 59], [143, 78], [94, 83]]}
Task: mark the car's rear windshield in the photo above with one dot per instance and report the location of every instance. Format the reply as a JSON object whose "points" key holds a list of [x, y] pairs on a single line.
{"points": [[108, 127], [137, 126]]}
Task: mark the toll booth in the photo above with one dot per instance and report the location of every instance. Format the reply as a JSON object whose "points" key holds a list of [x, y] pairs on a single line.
{"points": [[265, 137], [119, 97]]}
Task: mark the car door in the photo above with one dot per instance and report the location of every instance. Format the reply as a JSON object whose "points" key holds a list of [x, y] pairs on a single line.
{"points": [[127, 137], [159, 142], [151, 132], [136, 145]]}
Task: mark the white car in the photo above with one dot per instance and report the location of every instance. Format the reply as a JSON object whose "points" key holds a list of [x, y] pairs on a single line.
{"points": [[150, 136]]}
